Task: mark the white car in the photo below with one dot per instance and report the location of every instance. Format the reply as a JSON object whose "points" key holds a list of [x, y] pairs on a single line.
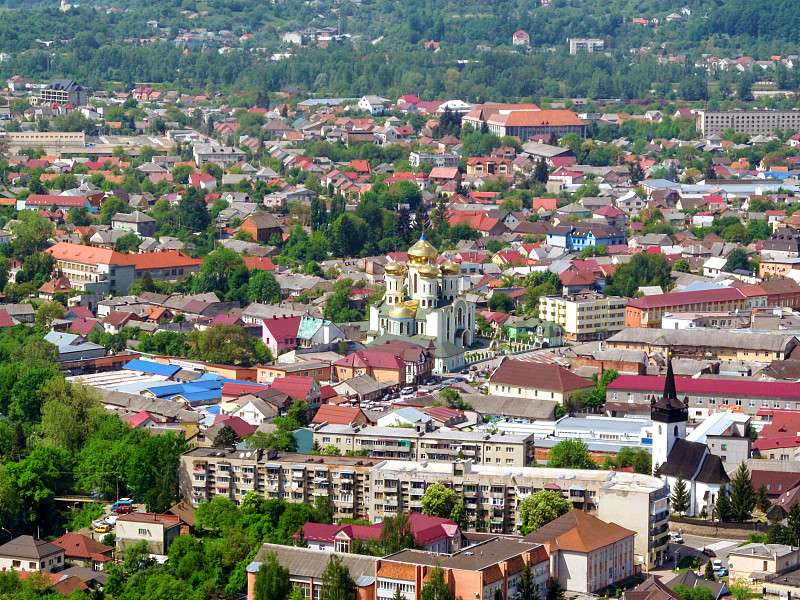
{"points": [[111, 520], [407, 391]]}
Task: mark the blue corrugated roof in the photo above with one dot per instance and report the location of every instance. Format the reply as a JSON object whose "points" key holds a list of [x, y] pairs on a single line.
{"points": [[214, 409], [146, 366], [199, 396]]}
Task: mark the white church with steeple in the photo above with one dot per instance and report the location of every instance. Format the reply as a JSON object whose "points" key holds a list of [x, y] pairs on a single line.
{"points": [[423, 304]]}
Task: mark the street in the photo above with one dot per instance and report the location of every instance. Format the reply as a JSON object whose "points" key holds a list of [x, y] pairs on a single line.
{"points": [[693, 546]]}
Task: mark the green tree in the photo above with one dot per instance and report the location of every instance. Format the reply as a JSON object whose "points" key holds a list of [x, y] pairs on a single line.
{"points": [[527, 586], [436, 587], [540, 171], [709, 572], [337, 584], [737, 259], [79, 216], [762, 499], [272, 580], [112, 206], [439, 501], [680, 496], [743, 498], [127, 243], [682, 266], [722, 507], [47, 313], [555, 591], [644, 269], [263, 287], [541, 507], [217, 267], [226, 438], [571, 454], [501, 302], [31, 231], [192, 210]]}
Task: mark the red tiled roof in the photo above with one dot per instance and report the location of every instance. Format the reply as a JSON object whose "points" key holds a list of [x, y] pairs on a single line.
{"points": [[239, 389], [82, 326], [239, 425], [296, 387], [371, 358], [140, 418], [282, 328], [684, 298], [158, 260], [336, 415], [539, 375], [257, 262]]}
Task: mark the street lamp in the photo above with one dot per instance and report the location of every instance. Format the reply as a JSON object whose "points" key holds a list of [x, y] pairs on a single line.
{"points": [[7, 531]]}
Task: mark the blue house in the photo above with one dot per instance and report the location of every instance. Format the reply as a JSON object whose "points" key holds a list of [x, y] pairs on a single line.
{"points": [[576, 237]]}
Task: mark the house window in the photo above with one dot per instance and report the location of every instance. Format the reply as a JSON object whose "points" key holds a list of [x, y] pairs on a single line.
{"points": [[143, 532]]}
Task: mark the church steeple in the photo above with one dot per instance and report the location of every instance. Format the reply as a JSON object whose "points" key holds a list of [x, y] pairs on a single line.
{"points": [[668, 408]]}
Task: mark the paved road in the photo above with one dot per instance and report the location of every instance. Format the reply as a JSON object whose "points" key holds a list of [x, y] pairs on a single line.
{"points": [[693, 546]]}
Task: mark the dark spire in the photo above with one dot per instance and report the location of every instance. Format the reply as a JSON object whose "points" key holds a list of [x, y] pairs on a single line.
{"points": [[669, 385]]}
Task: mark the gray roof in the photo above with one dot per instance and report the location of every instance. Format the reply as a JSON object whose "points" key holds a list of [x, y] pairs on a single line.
{"points": [[26, 546], [755, 340], [362, 385], [136, 403], [135, 217], [305, 562], [395, 432], [511, 407]]}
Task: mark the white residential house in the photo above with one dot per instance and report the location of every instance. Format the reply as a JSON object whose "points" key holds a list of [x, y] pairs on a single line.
{"points": [[372, 104]]}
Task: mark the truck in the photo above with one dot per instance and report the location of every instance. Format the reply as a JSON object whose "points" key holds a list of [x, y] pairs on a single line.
{"points": [[122, 506]]}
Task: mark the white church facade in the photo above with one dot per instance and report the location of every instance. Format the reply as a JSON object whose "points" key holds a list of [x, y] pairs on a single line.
{"points": [[423, 303]]}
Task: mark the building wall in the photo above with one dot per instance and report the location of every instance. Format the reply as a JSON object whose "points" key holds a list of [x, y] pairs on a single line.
{"points": [[531, 393], [585, 320], [752, 122], [130, 533], [643, 317], [48, 564]]}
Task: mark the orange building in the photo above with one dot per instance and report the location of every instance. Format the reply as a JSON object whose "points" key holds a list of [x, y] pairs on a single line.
{"points": [[648, 311]]}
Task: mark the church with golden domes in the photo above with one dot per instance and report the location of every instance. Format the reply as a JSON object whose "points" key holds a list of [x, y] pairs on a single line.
{"points": [[423, 304]]}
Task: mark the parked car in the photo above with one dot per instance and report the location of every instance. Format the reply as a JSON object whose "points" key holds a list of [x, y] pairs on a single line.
{"points": [[675, 538], [708, 552], [111, 519], [407, 391], [102, 528]]}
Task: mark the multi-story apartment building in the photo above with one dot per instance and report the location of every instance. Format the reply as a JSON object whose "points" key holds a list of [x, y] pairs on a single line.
{"points": [[63, 92], [220, 155], [585, 317], [509, 450], [590, 45], [360, 486], [207, 473], [93, 269], [448, 160], [492, 494], [761, 121]]}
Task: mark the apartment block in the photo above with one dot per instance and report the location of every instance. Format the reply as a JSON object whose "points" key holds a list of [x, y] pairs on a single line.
{"points": [[360, 486], [590, 45], [448, 160], [510, 450], [585, 317], [752, 122], [206, 473], [492, 495]]}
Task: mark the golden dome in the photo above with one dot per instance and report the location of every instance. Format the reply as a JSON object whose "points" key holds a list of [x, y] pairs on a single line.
{"points": [[395, 268], [422, 251], [450, 268], [429, 271], [401, 312]]}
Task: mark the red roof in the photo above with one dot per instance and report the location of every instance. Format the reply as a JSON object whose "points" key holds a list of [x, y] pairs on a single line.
{"points": [[444, 173], [239, 425], [239, 389], [684, 298], [50, 199], [571, 278], [733, 388], [371, 358], [609, 211], [169, 259], [139, 418], [5, 319], [282, 328], [82, 326], [337, 415], [543, 203], [426, 529], [258, 262], [80, 546], [442, 413], [296, 387]]}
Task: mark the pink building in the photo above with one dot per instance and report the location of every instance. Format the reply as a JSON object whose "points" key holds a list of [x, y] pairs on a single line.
{"points": [[280, 333]]}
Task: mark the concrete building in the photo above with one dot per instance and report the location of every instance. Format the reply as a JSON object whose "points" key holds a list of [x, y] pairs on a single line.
{"points": [[93, 269], [648, 311], [761, 121], [418, 444], [492, 494], [448, 160], [159, 531], [587, 554], [137, 222], [214, 153], [756, 562], [63, 92], [585, 317], [590, 45]]}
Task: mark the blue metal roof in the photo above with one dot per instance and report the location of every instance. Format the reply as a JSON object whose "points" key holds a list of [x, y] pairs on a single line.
{"points": [[200, 396], [147, 366]]}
